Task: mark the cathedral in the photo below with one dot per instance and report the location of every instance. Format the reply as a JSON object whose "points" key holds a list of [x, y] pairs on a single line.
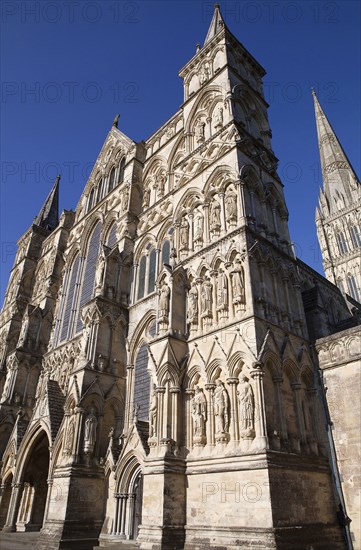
{"points": [[172, 376]]}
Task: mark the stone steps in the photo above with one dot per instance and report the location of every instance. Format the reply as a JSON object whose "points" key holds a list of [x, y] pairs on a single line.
{"points": [[18, 541]]}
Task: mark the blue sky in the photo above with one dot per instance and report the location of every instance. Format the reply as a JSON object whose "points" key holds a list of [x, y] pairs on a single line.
{"points": [[69, 67]]}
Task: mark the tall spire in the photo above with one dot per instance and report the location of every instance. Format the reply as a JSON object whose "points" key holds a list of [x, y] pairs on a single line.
{"points": [[216, 25], [340, 182], [48, 217]]}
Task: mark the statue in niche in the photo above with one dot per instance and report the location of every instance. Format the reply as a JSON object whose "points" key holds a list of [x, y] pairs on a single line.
{"points": [[220, 407], [238, 290], [8, 383], [90, 431], [203, 75], [125, 198], [184, 234], [85, 339], [161, 181], [198, 226], [100, 271], [218, 117], [199, 131], [206, 297], [153, 409], [69, 437], [246, 407], [231, 205], [193, 304], [24, 330], [215, 217], [222, 290], [199, 414], [164, 300], [146, 197]]}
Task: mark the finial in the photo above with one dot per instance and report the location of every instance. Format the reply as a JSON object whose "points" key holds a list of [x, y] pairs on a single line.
{"points": [[217, 6], [313, 91], [115, 121], [198, 47]]}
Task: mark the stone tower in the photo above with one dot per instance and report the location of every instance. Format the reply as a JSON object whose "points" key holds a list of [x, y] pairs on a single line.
{"points": [[339, 211], [177, 401]]}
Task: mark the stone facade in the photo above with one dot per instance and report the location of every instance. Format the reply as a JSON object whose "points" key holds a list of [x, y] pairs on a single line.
{"points": [[158, 378]]}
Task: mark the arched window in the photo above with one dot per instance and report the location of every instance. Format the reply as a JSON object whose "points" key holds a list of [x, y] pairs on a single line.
{"points": [[141, 277], [142, 384], [70, 299], [112, 236], [121, 170], [341, 243], [87, 287], [111, 180], [165, 252], [352, 287], [99, 190], [355, 236], [91, 199], [152, 271]]}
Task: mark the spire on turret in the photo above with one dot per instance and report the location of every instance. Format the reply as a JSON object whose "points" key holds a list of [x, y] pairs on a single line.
{"points": [[340, 182], [48, 217], [216, 25]]}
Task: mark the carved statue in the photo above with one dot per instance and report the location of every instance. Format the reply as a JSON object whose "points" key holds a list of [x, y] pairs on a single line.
{"points": [[116, 120], [222, 290], [220, 407], [199, 131], [193, 304], [184, 234], [161, 181], [125, 198], [198, 226], [85, 339], [203, 75], [90, 431], [24, 330], [206, 297], [146, 197], [153, 414], [69, 438], [218, 117], [164, 300], [231, 206], [238, 291], [8, 384], [100, 270], [199, 413], [215, 217], [246, 406]]}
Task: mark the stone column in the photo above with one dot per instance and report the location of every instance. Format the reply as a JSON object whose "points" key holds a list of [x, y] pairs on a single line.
{"points": [[161, 428], [210, 415], [240, 201], [188, 420], [296, 389], [234, 422], [78, 427], [116, 514], [260, 441], [131, 501], [206, 223], [278, 381], [135, 283], [191, 232], [223, 214], [175, 391]]}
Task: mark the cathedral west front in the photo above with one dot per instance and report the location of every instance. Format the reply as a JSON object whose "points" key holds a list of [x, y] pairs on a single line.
{"points": [[164, 352]]}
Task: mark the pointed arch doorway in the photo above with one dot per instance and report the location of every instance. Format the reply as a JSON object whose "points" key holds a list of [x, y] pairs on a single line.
{"points": [[129, 503]]}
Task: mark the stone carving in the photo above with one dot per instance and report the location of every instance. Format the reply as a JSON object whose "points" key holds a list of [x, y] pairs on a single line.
{"points": [[24, 330], [238, 290], [161, 180], [90, 431], [246, 408], [206, 298], [199, 414], [9, 383], [85, 339], [215, 216], [220, 407], [164, 301], [184, 234], [146, 197], [218, 117], [125, 198], [231, 206], [222, 290], [203, 75], [198, 226], [199, 131], [193, 304], [153, 409], [69, 437], [100, 270]]}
